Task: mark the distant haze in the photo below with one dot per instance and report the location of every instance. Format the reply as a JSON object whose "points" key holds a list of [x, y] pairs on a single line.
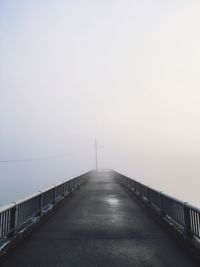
{"points": [[126, 72]]}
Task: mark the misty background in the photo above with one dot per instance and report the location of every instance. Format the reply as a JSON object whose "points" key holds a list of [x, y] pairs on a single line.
{"points": [[126, 72]]}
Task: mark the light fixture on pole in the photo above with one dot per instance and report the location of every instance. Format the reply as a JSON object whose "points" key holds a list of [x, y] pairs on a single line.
{"points": [[96, 155]]}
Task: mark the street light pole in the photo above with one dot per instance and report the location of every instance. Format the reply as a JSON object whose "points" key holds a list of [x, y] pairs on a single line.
{"points": [[96, 155]]}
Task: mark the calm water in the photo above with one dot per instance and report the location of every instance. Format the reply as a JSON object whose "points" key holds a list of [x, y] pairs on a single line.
{"points": [[20, 180]]}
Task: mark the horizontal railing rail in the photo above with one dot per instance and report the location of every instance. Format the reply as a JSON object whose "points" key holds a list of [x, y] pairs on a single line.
{"points": [[181, 213], [17, 215]]}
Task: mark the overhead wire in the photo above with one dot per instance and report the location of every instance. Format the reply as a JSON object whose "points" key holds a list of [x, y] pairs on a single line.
{"points": [[30, 159]]}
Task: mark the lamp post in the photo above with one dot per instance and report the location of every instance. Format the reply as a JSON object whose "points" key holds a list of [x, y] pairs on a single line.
{"points": [[96, 155]]}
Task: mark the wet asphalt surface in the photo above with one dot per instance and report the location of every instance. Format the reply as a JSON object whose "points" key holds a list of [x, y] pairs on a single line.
{"points": [[100, 225]]}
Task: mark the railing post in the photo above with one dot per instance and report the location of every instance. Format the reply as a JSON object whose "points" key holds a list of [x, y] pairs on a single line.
{"points": [[54, 194], [70, 186], [131, 184], [139, 188], [187, 222], [12, 219], [161, 204], [41, 203], [66, 188], [148, 196], [63, 188]]}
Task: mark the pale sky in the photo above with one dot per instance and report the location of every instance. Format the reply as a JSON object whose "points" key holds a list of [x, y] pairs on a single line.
{"points": [[125, 71]]}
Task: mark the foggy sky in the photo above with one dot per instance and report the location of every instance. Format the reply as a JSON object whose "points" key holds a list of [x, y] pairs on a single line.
{"points": [[126, 72]]}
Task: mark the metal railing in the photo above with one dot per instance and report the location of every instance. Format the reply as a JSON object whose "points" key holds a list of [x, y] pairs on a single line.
{"points": [[181, 213], [16, 216]]}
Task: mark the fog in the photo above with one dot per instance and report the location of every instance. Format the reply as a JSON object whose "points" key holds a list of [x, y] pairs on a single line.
{"points": [[125, 72]]}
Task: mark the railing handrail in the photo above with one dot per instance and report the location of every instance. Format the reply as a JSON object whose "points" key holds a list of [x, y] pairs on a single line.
{"points": [[16, 214], [192, 207], [182, 213], [158, 191], [3, 208], [7, 207], [27, 198]]}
